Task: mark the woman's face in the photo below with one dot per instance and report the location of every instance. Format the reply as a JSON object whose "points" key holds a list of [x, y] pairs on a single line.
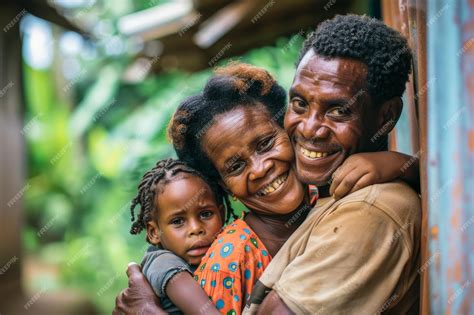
{"points": [[254, 158]]}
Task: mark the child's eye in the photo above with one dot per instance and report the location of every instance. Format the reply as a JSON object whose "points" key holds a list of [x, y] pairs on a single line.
{"points": [[177, 221], [206, 214]]}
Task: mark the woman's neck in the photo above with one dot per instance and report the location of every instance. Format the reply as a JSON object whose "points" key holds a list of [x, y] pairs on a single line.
{"points": [[273, 230]]}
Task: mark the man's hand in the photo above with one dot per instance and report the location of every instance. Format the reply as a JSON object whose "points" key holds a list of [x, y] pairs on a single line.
{"points": [[139, 297]]}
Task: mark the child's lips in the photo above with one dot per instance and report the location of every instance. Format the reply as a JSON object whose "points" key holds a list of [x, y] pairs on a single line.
{"points": [[199, 248]]}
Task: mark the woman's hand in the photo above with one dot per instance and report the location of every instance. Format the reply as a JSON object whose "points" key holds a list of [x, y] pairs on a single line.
{"points": [[363, 169], [139, 297]]}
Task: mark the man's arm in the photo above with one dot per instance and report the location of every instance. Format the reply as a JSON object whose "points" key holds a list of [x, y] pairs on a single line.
{"points": [[273, 304], [139, 297], [188, 296]]}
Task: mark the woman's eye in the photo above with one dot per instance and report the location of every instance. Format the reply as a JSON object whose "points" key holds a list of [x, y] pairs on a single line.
{"points": [[206, 214], [265, 145], [177, 221], [339, 111], [235, 168]]}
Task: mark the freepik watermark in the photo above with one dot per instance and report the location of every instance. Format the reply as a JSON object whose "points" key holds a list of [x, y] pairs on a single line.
{"points": [[262, 12], [47, 226], [60, 154], [382, 131], [18, 195], [90, 183], [108, 284], [104, 110], [31, 124], [4, 90], [329, 4], [7, 266], [190, 24], [219, 55], [411, 161], [15, 20], [429, 262]]}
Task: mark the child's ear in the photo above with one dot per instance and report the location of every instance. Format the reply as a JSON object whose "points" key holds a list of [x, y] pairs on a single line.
{"points": [[153, 232]]}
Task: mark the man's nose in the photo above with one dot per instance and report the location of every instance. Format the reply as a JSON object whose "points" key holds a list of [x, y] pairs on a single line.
{"points": [[314, 128], [259, 168]]}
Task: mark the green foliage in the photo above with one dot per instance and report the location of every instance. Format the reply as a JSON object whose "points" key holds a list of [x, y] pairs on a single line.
{"points": [[85, 159]]}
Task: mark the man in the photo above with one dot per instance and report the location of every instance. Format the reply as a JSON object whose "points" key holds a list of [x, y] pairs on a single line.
{"points": [[358, 254]]}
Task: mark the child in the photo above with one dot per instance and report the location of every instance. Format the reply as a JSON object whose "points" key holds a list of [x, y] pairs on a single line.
{"points": [[182, 214]]}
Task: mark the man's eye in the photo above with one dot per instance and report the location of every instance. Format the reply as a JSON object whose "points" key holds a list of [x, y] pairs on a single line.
{"points": [[339, 111], [206, 214], [177, 221], [298, 104], [265, 144]]}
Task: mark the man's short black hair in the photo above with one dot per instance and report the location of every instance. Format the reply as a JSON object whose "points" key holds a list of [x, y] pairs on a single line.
{"points": [[384, 51]]}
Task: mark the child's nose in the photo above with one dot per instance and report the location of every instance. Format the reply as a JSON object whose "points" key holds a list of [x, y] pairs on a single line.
{"points": [[196, 229]]}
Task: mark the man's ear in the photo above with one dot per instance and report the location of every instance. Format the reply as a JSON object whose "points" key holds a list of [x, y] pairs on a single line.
{"points": [[153, 232], [388, 115]]}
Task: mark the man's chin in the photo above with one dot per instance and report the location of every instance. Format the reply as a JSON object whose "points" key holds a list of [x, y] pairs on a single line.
{"points": [[310, 178]]}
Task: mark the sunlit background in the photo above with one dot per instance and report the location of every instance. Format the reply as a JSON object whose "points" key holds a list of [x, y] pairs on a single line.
{"points": [[97, 100]]}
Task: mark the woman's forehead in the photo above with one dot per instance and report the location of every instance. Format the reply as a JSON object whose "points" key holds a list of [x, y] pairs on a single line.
{"points": [[237, 129]]}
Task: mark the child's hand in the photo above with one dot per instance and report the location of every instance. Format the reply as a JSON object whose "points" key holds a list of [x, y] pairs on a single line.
{"points": [[364, 169]]}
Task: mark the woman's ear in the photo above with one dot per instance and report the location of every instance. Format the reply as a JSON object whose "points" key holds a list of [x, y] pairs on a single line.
{"points": [[153, 232], [222, 213], [388, 115], [224, 186]]}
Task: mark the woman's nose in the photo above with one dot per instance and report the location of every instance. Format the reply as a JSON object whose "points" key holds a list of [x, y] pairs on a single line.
{"points": [[260, 167]]}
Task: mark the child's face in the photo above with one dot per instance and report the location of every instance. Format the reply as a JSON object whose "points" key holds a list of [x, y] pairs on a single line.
{"points": [[188, 218]]}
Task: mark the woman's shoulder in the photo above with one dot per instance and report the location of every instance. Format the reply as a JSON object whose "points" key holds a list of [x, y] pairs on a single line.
{"points": [[235, 242]]}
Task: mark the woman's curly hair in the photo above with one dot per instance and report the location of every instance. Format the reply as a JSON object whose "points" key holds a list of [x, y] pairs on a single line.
{"points": [[384, 50], [233, 86]]}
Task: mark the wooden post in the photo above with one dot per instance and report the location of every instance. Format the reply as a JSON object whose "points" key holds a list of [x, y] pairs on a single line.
{"points": [[12, 163]]}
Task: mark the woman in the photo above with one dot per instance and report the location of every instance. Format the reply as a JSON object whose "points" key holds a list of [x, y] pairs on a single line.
{"points": [[232, 132]]}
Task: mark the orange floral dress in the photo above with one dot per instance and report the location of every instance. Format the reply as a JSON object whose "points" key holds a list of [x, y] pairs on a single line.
{"points": [[231, 266]]}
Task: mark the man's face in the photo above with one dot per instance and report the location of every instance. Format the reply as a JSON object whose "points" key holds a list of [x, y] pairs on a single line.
{"points": [[329, 116]]}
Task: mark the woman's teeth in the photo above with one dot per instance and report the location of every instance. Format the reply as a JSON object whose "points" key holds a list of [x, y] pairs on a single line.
{"points": [[273, 185], [313, 154]]}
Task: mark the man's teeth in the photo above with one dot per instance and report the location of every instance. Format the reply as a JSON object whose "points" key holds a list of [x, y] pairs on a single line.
{"points": [[273, 185], [313, 154]]}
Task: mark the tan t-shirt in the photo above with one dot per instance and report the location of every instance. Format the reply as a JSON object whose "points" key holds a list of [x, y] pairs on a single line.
{"points": [[359, 255]]}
